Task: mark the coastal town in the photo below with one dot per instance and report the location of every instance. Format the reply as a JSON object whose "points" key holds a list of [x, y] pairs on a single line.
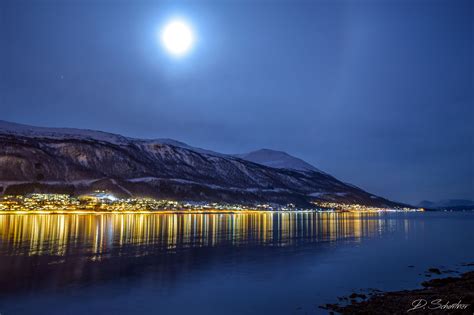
{"points": [[102, 201]]}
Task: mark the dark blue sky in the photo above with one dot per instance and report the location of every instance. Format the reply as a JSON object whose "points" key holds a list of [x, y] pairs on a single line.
{"points": [[377, 93]]}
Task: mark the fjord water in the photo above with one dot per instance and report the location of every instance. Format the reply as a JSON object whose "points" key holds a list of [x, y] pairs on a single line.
{"points": [[246, 263]]}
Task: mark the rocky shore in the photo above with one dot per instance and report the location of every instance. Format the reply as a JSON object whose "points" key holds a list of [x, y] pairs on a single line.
{"points": [[451, 295]]}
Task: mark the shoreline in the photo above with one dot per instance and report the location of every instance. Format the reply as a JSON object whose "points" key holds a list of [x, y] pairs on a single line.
{"points": [[139, 212], [450, 295], [101, 201], [197, 211]]}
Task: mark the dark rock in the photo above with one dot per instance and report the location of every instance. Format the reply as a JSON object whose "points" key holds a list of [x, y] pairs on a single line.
{"points": [[435, 271], [357, 295], [449, 290]]}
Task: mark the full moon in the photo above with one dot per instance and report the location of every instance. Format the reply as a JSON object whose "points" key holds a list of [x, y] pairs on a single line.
{"points": [[177, 37]]}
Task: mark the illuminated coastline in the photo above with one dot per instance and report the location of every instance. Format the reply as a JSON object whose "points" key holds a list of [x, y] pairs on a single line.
{"points": [[103, 202], [53, 224]]}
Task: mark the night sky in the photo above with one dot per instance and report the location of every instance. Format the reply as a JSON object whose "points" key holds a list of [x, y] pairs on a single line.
{"points": [[376, 93]]}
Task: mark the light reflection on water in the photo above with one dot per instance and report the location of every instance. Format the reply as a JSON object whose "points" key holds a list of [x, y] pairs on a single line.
{"points": [[272, 262], [96, 234]]}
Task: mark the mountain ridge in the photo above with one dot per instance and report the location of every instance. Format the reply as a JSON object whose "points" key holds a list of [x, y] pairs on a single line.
{"points": [[77, 160], [447, 204]]}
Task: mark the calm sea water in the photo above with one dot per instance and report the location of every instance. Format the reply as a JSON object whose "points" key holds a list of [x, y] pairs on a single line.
{"points": [[257, 263]]}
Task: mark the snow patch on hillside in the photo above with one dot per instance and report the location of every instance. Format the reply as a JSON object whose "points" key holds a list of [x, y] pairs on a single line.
{"points": [[277, 159]]}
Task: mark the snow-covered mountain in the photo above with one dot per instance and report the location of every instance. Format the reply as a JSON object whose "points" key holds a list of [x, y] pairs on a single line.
{"points": [[14, 129], [76, 161], [9, 128]]}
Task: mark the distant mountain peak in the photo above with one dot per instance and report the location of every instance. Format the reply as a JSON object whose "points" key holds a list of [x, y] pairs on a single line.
{"points": [[277, 159], [446, 203]]}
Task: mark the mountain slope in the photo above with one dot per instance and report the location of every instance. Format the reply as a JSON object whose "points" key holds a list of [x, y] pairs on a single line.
{"points": [[77, 161], [277, 159]]}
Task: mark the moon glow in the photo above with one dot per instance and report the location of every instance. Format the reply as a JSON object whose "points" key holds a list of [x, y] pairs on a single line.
{"points": [[177, 37]]}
